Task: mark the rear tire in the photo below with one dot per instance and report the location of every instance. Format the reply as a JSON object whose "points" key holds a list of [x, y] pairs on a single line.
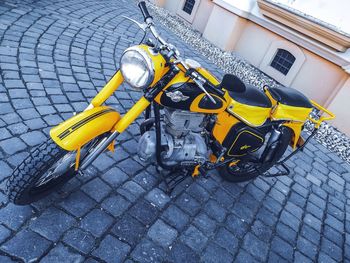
{"points": [[21, 186], [234, 175]]}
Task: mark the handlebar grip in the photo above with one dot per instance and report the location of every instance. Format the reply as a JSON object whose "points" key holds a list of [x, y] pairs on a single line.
{"points": [[144, 11]]}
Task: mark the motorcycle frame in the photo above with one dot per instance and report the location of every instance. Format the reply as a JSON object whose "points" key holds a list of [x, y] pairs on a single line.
{"points": [[117, 124]]}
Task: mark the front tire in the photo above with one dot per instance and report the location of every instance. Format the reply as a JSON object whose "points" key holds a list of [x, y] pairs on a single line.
{"points": [[239, 173], [23, 186]]}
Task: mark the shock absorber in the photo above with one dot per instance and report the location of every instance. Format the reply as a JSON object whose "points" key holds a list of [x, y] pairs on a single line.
{"points": [[272, 144]]}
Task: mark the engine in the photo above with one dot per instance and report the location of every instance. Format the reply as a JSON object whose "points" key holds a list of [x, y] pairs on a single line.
{"points": [[181, 139]]}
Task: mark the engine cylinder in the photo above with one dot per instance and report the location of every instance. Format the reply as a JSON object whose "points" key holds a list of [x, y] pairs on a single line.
{"points": [[181, 137], [179, 123]]}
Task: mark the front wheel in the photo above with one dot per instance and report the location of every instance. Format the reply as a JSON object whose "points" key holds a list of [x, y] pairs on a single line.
{"points": [[45, 169], [246, 170]]}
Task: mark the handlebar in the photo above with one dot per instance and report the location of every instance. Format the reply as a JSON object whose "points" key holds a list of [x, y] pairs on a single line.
{"points": [[144, 11], [149, 22]]}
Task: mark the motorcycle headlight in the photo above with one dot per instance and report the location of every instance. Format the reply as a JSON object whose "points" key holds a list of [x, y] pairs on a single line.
{"points": [[137, 68]]}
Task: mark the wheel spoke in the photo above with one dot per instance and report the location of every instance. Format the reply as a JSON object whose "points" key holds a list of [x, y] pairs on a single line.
{"points": [[57, 169], [62, 166]]}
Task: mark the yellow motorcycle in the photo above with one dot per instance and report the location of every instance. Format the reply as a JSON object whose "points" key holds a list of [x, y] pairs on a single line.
{"points": [[193, 124]]}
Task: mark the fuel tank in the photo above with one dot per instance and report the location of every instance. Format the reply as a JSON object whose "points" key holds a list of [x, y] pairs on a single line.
{"points": [[183, 94]]}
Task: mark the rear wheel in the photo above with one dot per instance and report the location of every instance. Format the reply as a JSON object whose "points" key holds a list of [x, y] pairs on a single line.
{"points": [[45, 169], [248, 170]]}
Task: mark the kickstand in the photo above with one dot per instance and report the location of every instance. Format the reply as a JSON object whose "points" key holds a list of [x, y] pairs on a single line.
{"points": [[281, 173], [173, 178]]}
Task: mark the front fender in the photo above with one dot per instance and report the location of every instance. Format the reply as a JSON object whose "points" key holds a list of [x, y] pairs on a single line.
{"points": [[83, 127]]}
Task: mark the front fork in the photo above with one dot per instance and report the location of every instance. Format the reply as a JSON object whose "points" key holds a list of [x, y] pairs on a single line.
{"points": [[107, 91], [120, 127], [131, 115]]}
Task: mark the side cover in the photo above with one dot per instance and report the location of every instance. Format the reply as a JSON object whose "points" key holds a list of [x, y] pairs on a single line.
{"points": [[238, 138], [83, 127]]}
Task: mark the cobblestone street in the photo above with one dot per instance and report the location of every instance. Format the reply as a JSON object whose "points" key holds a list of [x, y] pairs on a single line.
{"points": [[54, 57]]}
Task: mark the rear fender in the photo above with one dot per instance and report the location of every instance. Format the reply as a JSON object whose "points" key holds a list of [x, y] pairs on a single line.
{"points": [[83, 127]]}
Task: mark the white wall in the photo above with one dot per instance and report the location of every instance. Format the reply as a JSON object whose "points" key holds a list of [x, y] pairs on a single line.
{"points": [[202, 15], [172, 5], [160, 3], [316, 77], [258, 40], [224, 28], [340, 106]]}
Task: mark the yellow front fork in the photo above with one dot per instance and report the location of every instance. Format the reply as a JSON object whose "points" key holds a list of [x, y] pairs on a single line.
{"points": [[132, 115], [107, 91], [118, 128]]}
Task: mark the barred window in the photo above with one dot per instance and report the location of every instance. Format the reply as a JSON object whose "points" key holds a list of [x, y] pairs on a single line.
{"points": [[188, 6], [283, 61]]}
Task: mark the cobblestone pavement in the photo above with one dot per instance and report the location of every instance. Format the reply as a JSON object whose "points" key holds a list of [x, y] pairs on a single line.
{"points": [[54, 56]]}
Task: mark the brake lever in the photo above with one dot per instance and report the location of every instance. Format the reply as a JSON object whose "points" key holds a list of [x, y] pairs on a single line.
{"points": [[196, 78], [143, 26]]}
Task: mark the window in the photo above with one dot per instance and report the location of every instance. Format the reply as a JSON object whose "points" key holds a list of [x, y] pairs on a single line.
{"points": [[188, 6], [283, 61], [187, 9]]}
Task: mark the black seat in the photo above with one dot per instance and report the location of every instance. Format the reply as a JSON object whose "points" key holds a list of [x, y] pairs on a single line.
{"points": [[252, 96], [244, 93], [290, 96]]}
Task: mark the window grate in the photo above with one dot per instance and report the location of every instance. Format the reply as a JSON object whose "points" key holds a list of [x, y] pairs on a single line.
{"points": [[188, 6], [283, 61]]}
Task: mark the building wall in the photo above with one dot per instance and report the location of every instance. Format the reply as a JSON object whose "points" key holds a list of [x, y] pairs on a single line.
{"points": [[339, 106], [198, 18], [223, 28], [202, 15], [172, 5], [318, 78], [254, 44], [160, 3], [254, 48]]}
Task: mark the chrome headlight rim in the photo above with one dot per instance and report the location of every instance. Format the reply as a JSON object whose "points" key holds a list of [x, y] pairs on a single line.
{"points": [[149, 63]]}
